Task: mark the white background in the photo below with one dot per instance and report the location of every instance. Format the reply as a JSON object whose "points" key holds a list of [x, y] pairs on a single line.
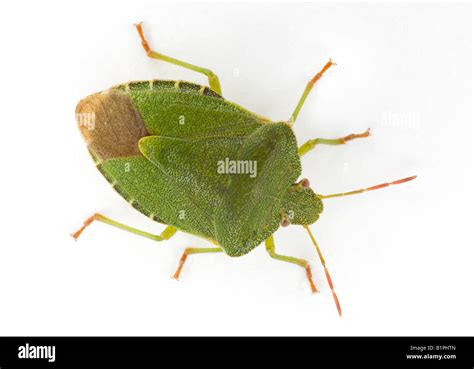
{"points": [[401, 258]]}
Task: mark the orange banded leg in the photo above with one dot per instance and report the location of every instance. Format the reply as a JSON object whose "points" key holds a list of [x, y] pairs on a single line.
{"points": [[270, 246], [190, 251], [165, 235], [308, 89], [311, 144], [211, 76]]}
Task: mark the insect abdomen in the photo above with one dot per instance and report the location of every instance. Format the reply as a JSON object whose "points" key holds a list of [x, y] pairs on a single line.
{"points": [[181, 110]]}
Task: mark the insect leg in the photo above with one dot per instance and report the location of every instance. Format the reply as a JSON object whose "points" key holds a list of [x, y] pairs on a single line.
{"points": [[165, 235], [308, 89], [270, 246], [190, 251], [213, 79], [310, 144]]}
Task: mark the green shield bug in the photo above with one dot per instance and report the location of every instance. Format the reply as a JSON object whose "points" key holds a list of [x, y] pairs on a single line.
{"points": [[184, 156]]}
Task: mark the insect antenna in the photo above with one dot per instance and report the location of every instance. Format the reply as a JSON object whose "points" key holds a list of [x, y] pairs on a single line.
{"points": [[328, 276], [377, 187]]}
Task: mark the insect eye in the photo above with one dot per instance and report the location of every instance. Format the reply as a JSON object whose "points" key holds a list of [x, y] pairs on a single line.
{"points": [[304, 183]]}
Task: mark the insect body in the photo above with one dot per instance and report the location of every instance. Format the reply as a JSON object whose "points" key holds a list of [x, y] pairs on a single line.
{"points": [[186, 157]]}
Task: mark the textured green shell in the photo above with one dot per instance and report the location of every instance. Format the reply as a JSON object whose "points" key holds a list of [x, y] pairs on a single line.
{"points": [[158, 144], [250, 209]]}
